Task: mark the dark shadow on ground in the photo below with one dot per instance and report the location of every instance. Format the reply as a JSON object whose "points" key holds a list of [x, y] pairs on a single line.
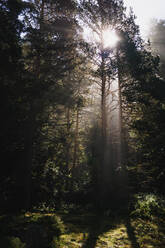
{"points": [[161, 229], [101, 226], [95, 230], [94, 224], [131, 233], [97, 224]]}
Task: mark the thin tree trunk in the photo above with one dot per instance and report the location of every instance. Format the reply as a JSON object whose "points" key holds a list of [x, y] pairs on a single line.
{"points": [[68, 141], [29, 158], [103, 104], [104, 167], [120, 145], [75, 157], [122, 179]]}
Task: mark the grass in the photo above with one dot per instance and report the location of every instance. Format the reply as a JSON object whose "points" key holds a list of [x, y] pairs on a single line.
{"points": [[87, 230]]}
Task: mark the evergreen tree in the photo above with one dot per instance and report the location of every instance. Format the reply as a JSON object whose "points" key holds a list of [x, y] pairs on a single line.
{"points": [[145, 98], [12, 104], [100, 16], [53, 58]]}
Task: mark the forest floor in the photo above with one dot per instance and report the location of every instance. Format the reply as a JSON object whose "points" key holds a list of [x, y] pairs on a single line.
{"points": [[75, 230]]}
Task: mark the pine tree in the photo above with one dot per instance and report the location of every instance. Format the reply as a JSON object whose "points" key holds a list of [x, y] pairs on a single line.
{"points": [[100, 16], [11, 144], [147, 101], [53, 58]]}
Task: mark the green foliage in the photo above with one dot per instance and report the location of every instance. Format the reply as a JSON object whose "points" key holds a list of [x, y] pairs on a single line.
{"points": [[148, 206], [42, 228], [43, 207], [36, 230], [144, 95], [12, 242], [54, 223], [55, 243]]}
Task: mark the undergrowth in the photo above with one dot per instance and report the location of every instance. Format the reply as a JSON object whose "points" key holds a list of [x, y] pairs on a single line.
{"points": [[143, 227], [148, 206]]}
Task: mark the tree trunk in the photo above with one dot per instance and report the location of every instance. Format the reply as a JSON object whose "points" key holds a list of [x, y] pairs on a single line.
{"points": [[31, 127], [121, 175], [68, 165], [75, 157], [120, 141], [104, 166], [29, 158]]}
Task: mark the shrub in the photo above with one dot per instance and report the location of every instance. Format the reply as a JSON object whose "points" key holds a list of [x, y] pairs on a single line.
{"points": [[11, 242], [148, 205], [52, 222], [42, 230]]}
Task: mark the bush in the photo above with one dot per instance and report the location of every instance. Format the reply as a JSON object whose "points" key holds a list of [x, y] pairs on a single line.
{"points": [[11, 242], [42, 229], [148, 206], [52, 222]]}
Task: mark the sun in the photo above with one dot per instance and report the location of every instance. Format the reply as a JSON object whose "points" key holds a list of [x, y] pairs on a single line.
{"points": [[110, 38]]}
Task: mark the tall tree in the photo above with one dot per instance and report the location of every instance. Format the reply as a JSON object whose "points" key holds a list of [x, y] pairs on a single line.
{"points": [[52, 56], [145, 97], [11, 101], [101, 16]]}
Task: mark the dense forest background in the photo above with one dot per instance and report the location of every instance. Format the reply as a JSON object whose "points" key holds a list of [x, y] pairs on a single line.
{"points": [[82, 125]]}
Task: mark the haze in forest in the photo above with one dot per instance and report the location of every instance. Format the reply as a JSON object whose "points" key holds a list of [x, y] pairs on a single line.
{"points": [[145, 11]]}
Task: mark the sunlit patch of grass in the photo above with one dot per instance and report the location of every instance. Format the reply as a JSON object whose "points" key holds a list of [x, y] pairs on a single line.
{"points": [[116, 237], [150, 234], [73, 240], [35, 216]]}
